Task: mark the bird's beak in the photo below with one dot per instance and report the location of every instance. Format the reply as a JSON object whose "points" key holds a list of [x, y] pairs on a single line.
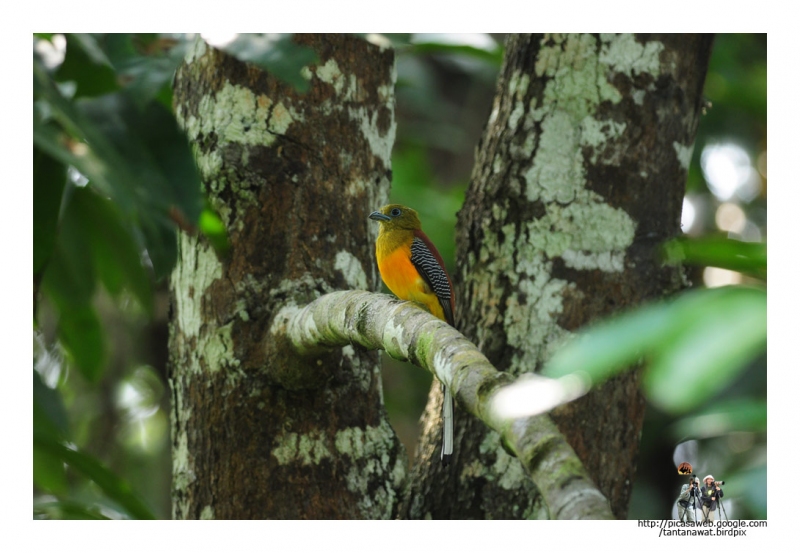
{"points": [[378, 216]]}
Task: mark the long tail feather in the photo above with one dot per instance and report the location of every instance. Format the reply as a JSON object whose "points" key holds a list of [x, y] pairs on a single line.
{"points": [[447, 427]]}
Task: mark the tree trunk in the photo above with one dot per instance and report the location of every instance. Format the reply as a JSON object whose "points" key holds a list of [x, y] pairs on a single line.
{"points": [[579, 178], [257, 432]]}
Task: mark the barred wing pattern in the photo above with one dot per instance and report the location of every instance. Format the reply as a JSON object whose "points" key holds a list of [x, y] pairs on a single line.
{"points": [[434, 274], [430, 265]]}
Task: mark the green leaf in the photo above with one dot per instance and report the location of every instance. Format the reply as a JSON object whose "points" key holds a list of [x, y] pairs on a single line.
{"points": [[146, 63], [80, 332], [49, 419], [609, 347], [725, 331], [49, 414], [51, 140], [69, 281], [49, 177], [161, 240], [131, 173], [71, 276], [86, 65], [724, 417], [48, 471], [115, 254], [158, 161], [92, 243], [696, 345], [214, 229], [719, 251], [276, 53], [138, 158], [166, 145], [80, 143], [113, 486]]}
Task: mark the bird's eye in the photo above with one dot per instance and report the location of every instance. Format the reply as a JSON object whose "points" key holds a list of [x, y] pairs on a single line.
{"points": [[395, 212]]}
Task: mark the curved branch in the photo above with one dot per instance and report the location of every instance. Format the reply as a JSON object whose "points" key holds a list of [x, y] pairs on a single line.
{"points": [[406, 332]]}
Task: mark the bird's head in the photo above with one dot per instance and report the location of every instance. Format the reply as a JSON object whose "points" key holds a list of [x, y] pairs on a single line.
{"points": [[396, 217]]}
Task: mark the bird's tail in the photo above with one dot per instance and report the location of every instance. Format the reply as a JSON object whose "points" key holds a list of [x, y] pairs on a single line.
{"points": [[447, 427]]}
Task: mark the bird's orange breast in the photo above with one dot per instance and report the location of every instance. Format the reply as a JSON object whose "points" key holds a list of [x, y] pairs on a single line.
{"points": [[405, 282]]}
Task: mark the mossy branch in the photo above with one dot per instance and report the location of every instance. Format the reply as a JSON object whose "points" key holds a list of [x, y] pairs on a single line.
{"points": [[406, 332]]}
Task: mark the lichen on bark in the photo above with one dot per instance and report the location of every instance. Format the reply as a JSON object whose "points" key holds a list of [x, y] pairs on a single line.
{"points": [[577, 180], [258, 431]]}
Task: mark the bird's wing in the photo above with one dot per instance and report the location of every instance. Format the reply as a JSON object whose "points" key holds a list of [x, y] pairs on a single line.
{"points": [[429, 264]]}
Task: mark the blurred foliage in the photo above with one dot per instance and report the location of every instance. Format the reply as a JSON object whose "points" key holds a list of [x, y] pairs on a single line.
{"points": [[719, 251], [111, 171], [694, 345], [721, 418], [705, 349], [114, 178], [728, 429]]}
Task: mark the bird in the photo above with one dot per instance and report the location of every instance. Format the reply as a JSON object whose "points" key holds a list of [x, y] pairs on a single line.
{"points": [[411, 267]]}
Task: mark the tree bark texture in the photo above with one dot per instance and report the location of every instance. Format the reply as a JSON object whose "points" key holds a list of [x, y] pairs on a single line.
{"points": [[407, 332], [579, 178], [256, 431]]}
